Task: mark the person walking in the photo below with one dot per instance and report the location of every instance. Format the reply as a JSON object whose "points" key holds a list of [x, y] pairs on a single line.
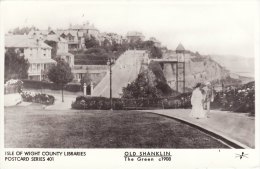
{"points": [[209, 97], [197, 100]]}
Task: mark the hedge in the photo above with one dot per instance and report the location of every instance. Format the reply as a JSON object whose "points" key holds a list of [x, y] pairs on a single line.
{"points": [[96, 103], [38, 98], [102, 103], [34, 84]]}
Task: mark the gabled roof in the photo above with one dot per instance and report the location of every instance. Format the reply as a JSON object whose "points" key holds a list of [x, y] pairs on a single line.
{"points": [[55, 38], [180, 47], [24, 41]]}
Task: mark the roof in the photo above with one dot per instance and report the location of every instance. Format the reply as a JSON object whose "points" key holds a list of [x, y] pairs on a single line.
{"points": [[56, 38], [66, 32], [85, 26], [180, 47], [24, 41], [38, 32], [41, 60]]}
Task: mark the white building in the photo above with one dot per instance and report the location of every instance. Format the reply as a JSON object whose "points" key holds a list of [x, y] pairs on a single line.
{"points": [[35, 50], [61, 46], [134, 36]]}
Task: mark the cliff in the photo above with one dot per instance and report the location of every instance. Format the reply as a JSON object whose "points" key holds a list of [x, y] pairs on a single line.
{"points": [[198, 68]]}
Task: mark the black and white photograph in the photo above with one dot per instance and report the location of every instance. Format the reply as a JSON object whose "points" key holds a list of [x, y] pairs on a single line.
{"points": [[159, 76]]}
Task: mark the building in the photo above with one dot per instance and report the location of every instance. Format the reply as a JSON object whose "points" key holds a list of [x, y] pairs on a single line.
{"points": [[134, 36], [75, 34], [86, 29], [75, 39], [110, 38], [60, 48], [95, 72], [35, 50]]}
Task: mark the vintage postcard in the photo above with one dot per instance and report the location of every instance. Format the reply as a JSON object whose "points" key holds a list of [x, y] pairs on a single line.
{"points": [[129, 84]]}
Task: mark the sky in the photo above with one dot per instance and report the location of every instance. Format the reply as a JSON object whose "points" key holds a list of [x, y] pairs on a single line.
{"points": [[208, 27]]}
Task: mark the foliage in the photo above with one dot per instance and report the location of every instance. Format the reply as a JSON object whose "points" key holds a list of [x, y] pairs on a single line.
{"points": [[13, 86], [38, 98], [16, 66], [180, 101], [91, 42], [156, 52], [97, 55], [35, 84], [93, 56], [140, 88], [96, 103], [23, 30], [237, 99], [60, 74]]}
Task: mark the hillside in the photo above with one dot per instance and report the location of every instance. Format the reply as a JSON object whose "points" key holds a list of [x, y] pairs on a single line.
{"points": [[236, 64]]}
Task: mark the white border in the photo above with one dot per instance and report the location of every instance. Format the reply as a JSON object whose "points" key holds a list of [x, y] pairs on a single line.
{"points": [[113, 158]]}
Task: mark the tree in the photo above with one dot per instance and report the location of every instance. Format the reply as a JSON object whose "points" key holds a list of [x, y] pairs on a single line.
{"points": [[141, 88], [23, 30], [16, 66], [91, 42], [60, 74], [156, 52]]}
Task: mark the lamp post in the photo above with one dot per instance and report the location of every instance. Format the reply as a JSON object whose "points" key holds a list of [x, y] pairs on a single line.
{"points": [[110, 62]]}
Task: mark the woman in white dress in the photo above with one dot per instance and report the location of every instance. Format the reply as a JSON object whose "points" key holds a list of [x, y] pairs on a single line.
{"points": [[197, 99]]}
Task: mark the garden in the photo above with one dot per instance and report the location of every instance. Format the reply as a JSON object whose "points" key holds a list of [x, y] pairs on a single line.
{"points": [[235, 99], [16, 86]]}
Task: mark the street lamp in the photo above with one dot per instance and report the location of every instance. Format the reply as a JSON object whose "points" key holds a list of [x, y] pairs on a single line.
{"points": [[110, 62]]}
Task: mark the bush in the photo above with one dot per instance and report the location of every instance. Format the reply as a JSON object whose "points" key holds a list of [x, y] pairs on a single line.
{"points": [[181, 101], [34, 84], [96, 103], [13, 86], [38, 98], [241, 99], [73, 87]]}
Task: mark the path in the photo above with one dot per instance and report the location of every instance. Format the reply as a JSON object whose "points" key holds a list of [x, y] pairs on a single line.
{"points": [[235, 127], [124, 71], [69, 97]]}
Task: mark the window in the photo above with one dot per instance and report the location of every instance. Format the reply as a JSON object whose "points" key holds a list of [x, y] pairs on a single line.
{"points": [[33, 67], [38, 67], [44, 52]]}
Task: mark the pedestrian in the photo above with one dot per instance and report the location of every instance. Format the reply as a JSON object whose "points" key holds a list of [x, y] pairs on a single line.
{"points": [[209, 97], [197, 100]]}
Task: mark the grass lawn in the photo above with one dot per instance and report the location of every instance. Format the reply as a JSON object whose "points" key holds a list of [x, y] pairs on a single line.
{"points": [[33, 127]]}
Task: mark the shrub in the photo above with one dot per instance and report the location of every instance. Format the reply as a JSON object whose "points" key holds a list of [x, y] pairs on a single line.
{"points": [[241, 99], [34, 84], [13, 86], [96, 103], [73, 87], [180, 101], [38, 98]]}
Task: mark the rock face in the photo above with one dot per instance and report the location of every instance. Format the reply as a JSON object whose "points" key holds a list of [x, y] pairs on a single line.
{"points": [[198, 68]]}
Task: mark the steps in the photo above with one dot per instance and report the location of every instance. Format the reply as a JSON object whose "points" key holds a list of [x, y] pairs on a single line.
{"points": [[124, 71]]}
